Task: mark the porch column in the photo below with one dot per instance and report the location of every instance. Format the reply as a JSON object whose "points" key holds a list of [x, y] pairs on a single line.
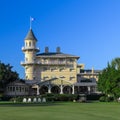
{"points": [[49, 89], [88, 89], [38, 93], [61, 89], [73, 89]]}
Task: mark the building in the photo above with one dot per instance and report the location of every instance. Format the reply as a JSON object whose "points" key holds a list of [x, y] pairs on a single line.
{"points": [[55, 72], [17, 88]]}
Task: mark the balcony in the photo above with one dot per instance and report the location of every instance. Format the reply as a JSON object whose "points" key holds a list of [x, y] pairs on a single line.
{"points": [[53, 63], [57, 63], [30, 48], [29, 63]]}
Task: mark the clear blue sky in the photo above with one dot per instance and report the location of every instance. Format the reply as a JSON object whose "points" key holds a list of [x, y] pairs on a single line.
{"points": [[87, 28]]}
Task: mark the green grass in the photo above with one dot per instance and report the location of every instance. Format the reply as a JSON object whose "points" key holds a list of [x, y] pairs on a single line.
{"points": [[60, 111]]}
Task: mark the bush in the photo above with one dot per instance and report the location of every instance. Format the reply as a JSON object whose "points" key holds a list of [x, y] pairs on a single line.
{"points": [[109, 99], [60, 97], [106, 99], [5, 98], [94, 96], [67, 97], [102, 99]]}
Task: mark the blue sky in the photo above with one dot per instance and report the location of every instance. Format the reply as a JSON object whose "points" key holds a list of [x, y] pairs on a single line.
{"points": [[86, 28]]}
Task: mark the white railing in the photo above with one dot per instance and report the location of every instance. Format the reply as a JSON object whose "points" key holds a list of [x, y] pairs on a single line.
{"points": [[32, 62], [24, 48], [56, 63]]}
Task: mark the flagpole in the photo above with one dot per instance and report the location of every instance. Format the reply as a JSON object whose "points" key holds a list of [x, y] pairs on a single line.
{"points": [[30, 23]]}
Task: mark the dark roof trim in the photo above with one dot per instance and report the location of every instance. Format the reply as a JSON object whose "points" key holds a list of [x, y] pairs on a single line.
{"points": [[55, 54]]}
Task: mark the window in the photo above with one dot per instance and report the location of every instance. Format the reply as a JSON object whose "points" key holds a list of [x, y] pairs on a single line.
{"points": [[61, 69], [26, 44], [52, 69], [62, 77], [22, 89], [26, 89], [16, 88], [13, 89], [44, 68], [45, 61], [62, 61], [45, 77], [53, 76], [71, 69], [26, 59], [33, 77], [71, 78], [29, 44]]}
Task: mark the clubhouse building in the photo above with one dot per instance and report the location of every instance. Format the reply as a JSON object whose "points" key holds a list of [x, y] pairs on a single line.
{"points": [[52, 72]]}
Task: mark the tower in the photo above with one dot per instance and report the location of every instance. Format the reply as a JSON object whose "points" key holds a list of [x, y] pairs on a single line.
{"points": [[30, 51]]}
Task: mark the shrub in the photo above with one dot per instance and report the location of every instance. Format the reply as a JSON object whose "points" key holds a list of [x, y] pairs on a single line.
{"points": [[60, 97], [102, 99], [109, 99], [6, 98], [94, 96], [67, 97], [106, 99]]}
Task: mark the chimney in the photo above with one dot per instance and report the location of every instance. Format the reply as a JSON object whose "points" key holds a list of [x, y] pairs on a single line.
{"points": [[46, 50], [58, 49]]}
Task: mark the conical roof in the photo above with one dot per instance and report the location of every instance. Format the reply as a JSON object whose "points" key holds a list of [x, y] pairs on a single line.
{"points": [[30, 35]]}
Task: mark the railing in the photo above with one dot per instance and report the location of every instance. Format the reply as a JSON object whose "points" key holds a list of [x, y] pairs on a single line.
{"points": [[47, 63], [27, 48], [57, 63], [86, 84], [32, 62]]}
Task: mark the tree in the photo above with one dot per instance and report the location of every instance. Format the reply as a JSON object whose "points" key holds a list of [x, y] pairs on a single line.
{"points": [[109, 79], [116, 63], [7, 75]]}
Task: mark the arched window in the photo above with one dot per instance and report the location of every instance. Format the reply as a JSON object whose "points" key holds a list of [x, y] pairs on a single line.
{"points": [[29, 44], [33, 43], [26, 44]]}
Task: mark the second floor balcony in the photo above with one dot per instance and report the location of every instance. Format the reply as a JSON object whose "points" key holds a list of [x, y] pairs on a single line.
{"points": [[28, 63]]}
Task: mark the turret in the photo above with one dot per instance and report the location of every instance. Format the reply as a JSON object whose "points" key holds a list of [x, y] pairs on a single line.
{"points": [[30, 50]]}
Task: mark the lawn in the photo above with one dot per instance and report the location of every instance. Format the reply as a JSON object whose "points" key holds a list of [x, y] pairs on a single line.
{"points": [[60, 111]]}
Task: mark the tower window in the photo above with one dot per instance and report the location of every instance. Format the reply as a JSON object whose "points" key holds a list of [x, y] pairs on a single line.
{"points": [[26, 59], [26, 44], [33, 43], [29, 44]]}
